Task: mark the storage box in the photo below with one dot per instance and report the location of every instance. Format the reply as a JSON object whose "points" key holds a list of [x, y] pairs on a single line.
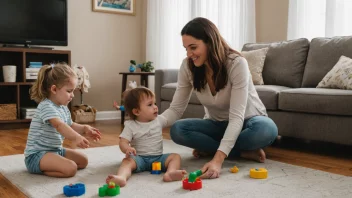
{"points": [[8, 112], [83, 114]]}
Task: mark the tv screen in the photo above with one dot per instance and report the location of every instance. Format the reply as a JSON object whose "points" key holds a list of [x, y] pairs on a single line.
{"points": [[33, 22]]}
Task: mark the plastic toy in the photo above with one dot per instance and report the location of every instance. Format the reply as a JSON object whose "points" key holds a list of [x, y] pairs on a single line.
{"points": [[109, 190], [193, 182], [192, 185], [156, 168], [74, 190], [234, 169], [258, 173], [193, 176]]}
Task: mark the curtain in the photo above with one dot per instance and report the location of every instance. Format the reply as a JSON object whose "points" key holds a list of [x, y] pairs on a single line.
{"points": [[235, 20], [319, 18]]}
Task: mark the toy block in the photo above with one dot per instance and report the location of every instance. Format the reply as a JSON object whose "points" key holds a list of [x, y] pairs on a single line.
{"points": [[156, 168], [258, 173], [74, 190], [109, 190]]}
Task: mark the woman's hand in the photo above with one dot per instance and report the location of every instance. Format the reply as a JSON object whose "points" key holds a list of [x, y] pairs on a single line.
{"points": [[92, 132], [130, 151], [212, 169]]}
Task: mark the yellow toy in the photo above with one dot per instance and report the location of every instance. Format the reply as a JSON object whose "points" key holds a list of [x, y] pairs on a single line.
{"points": [[234, 169], [156, 168], [258, 173]]}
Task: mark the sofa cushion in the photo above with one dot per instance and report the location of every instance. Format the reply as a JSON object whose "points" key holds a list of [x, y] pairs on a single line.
{"points": [[269, 95], [340, 76], [284, 62], [255, 59], [168, 91], [322, 56], [316, 100]]}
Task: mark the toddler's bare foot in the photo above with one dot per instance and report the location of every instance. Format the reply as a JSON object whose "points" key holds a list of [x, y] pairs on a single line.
{"points": [[256, 155], [118, 180], [176, 175], [198, 154]]}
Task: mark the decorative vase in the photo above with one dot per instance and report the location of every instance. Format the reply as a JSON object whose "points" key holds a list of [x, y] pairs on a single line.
{"points": [[132, 68], [9, 72]]}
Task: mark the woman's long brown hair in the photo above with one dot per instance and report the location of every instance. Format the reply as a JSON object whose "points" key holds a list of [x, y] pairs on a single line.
{"points": [[218, 51]]}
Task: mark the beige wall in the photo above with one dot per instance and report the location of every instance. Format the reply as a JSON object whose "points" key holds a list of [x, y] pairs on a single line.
{"points": [[271, 20], [104, 43]]}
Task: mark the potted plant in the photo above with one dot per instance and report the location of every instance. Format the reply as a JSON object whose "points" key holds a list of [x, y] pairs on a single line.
{"points": [[132, 66], [146, 67]]}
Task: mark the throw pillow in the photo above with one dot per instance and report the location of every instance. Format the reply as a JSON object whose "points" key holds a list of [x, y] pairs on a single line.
{"points": [[255, 59], [340, 76]]}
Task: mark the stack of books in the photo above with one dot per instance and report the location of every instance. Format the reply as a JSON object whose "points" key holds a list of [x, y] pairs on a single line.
{"points": [[32, 70], [28, 112]]}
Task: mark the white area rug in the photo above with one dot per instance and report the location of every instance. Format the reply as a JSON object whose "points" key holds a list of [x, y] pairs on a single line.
{"points": [[284, 180]]}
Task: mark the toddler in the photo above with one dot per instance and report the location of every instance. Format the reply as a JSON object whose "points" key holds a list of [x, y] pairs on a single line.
{"points": [[44, 153], [141, 140]]}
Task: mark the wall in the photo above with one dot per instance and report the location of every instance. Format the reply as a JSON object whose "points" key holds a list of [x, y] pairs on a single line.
{"points": [[104, 43], [271, 20]]}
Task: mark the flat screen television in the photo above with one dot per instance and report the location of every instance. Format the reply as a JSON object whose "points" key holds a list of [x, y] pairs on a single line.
{"points": [[33, 22]]}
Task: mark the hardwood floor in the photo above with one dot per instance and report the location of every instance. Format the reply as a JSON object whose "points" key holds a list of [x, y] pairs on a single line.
{"points": [[321, 156]]}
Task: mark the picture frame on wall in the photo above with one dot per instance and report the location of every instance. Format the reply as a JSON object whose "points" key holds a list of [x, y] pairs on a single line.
{"points": [[127, 7]]}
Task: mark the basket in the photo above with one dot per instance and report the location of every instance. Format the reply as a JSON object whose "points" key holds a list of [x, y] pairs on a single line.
{"points": [[83, 114], [8, 112]]}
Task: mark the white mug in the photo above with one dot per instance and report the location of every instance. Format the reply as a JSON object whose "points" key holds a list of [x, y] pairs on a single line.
{"points": [[9, 72]]}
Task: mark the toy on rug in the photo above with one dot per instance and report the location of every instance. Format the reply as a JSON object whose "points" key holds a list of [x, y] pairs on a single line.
{"points": [[258, 173], [156, 168], [234, 169], [193, 182], [74, 190], [109, 190]]}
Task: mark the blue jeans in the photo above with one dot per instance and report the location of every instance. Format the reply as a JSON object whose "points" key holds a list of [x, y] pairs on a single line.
{"points": [[205, 135], [144, 163]]}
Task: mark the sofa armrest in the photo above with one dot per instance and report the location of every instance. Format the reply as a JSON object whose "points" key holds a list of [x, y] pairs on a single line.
{"points": [[162, 77]]}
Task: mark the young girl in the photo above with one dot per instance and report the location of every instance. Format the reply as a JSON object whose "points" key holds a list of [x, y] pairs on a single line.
{"points": [[142, 141], [44, 154]]}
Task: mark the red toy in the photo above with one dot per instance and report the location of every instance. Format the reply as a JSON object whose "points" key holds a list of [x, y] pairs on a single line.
{"points": [[192, 186]]}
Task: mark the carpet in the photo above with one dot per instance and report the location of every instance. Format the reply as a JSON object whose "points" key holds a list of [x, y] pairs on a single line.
{"points": [[284, 180]]}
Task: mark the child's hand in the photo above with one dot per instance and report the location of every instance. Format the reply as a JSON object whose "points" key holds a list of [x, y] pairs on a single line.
{"points": [[116, 105], [92, 132], [130, 151], [81, 142]]}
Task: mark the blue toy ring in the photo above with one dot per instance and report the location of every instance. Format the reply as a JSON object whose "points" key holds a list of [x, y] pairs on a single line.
{"points": [[74, 189]]}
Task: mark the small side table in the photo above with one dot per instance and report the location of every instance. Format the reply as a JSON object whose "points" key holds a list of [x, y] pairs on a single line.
{"points": [[144, 82]]}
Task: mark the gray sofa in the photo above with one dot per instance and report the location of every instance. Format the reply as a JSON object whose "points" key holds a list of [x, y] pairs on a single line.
{"points": [[292, 70]]}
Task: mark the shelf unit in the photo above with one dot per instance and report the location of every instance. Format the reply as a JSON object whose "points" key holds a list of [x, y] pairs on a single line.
{"points": [[18, 92]]}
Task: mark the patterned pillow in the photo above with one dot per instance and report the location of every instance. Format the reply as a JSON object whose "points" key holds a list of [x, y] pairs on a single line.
{"points": [[255, 59], [340, 76]]}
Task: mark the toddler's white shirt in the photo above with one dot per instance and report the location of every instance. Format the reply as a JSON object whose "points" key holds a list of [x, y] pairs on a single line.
{"points": [[145, 137]]}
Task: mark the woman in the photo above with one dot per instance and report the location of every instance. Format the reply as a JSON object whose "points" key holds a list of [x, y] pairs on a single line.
{"points": [[236, 122]]}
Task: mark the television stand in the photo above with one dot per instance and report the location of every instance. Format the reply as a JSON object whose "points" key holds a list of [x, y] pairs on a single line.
{"points": [[27, 46]]}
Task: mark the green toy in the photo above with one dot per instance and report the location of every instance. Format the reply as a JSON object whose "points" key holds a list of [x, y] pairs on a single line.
{"points": [[193, 176], [109, 190]]}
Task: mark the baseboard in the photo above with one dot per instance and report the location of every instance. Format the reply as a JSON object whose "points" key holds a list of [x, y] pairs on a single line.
{"points": [[108, 115]]}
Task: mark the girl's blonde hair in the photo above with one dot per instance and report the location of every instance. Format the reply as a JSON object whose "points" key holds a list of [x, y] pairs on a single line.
{"points": [[55, 74]]}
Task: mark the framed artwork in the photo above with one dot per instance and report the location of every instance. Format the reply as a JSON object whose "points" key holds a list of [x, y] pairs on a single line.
{"points": [[115, 6]]}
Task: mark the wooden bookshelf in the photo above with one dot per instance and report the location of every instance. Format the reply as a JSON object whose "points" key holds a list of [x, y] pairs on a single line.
{"points": [[18, 92]]}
